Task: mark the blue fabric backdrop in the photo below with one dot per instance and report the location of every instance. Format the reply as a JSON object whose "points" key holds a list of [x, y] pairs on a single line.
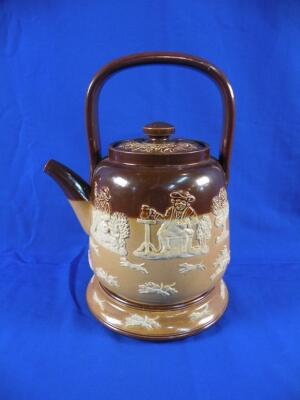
{"points": [[50, 345]]}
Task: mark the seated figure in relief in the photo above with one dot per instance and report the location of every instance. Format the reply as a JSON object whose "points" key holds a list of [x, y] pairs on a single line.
{"points": [[176, 232]]}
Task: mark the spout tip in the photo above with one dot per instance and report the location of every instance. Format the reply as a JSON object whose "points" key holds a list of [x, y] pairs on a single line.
{"points": [[50, 166], [74, 187], [47, 166]]}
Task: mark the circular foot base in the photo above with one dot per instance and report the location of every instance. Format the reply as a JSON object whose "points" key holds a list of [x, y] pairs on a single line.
{"points": [[156, 324]]}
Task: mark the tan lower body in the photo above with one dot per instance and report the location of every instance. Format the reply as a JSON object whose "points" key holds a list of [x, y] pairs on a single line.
{"points": [[152, 322]]}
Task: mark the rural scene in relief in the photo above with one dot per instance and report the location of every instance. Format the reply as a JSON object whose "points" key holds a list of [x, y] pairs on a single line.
{"points": [[201, 313], [109, 279], [220, 263], [161, 289], [186, 267], [220, 209], [143, 321], [181, 232], [111, 229]]}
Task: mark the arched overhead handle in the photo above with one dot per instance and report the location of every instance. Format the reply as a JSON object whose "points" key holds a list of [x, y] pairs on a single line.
{"points": [[197, 63]]}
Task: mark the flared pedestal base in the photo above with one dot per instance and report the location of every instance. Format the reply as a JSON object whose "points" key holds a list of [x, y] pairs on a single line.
{"points": [[154, 322]]}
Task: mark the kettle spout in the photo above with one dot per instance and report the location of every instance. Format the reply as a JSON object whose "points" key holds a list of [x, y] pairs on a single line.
{"points": [[76, 190]]}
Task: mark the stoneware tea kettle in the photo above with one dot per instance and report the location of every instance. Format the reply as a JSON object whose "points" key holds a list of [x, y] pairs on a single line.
{"points": [[156, 212]]}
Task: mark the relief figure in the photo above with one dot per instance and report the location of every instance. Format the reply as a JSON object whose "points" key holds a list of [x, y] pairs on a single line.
{"points": [[220, 209], [179, 224]]}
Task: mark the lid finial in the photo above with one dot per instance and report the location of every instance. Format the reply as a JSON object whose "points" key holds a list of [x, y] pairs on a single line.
{"points": [[159, 130]]}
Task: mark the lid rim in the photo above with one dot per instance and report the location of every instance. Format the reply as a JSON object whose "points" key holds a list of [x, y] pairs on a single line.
{"points": [[175, 141], [159, 158]]}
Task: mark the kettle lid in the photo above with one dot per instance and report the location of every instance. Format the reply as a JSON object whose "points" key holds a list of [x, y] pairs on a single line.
{"points": [[159, 148]]}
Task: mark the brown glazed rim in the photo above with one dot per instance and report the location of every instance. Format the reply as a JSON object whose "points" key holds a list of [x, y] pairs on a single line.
{"points": [[178, 158]]}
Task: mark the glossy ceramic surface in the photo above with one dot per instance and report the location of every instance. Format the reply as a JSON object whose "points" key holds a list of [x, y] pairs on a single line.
{"points": [[157, 323], [156, 212]]}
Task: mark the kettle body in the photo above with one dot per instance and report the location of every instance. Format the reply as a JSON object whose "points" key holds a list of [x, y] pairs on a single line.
{"points": [[157, 215]]}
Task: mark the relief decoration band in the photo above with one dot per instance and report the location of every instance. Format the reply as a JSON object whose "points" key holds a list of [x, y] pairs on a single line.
{"points": [[178, 226], [148, 147]]}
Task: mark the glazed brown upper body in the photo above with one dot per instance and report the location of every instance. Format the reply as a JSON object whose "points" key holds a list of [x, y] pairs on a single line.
{"points": [[131, 186]]}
